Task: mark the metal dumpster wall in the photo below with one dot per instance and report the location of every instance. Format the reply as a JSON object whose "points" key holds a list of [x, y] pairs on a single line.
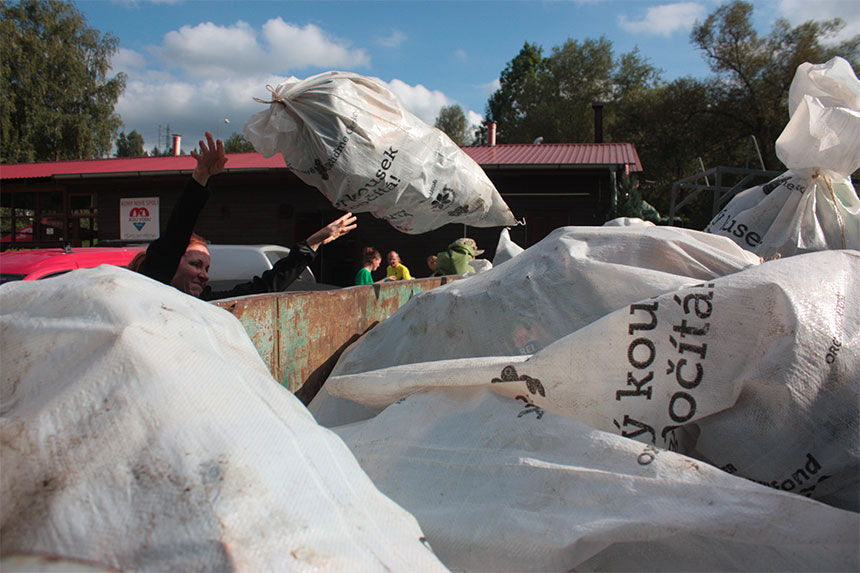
{"points": [[300, 335]]}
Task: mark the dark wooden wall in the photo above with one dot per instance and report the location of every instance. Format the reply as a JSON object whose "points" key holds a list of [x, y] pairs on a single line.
{"points": [[276, 207]]}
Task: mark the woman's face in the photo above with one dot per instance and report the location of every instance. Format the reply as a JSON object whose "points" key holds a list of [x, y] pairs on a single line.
{"points": [[376, 262], [192, 274]]}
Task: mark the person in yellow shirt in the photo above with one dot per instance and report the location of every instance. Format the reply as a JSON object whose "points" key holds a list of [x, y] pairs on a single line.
{"points": [[396, 270]]}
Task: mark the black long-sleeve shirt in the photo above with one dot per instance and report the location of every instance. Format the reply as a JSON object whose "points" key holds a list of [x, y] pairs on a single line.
{"points": [[164, 254]]}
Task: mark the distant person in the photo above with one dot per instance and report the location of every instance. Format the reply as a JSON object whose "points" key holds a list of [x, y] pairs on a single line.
{"points": [[371, 259], [431, 264], [396, 270], [455, 259], [180, 258]]}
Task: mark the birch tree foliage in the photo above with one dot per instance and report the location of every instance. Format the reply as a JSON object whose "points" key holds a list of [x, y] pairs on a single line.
{"points": [[58, 96]]}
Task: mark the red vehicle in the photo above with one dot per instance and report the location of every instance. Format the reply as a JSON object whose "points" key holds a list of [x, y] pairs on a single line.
{"points": [[34, 264]]}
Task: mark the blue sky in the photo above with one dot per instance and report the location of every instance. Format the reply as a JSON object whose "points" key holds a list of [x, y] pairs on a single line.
{"points": [[191, 64]]}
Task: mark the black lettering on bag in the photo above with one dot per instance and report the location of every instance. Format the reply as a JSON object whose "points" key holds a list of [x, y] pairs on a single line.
{"points": [[651, 309], [691, 405]]}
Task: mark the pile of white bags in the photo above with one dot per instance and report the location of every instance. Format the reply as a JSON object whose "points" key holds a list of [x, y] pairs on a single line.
{"points": [[570, 279], [349, 136], [140, 430], [501, 486], [756, 373], [813, 206]]}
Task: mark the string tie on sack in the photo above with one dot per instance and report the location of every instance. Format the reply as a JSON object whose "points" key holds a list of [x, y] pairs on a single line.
{"points": [[829, 184], [275, 97]]}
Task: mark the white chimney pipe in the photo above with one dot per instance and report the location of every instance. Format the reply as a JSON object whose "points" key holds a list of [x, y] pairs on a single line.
{"points": [[176, 144], [491, 133]]}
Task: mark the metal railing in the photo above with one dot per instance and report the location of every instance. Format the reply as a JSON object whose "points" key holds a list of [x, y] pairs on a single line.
{"points": [[722, 182]]}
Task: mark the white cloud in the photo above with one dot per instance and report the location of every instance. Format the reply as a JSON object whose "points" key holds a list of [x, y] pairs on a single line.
{"points": [[665, 19], [800, 11], [474, 119], [127, 61], [294, 47], [209, 50], [393, 40], [419, 100], [461, 55]]}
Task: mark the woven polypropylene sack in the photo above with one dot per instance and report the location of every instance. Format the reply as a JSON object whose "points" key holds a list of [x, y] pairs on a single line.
{"points": [[757, 372], [813, 206], [349, 136], [140, 430], [499, 485]]}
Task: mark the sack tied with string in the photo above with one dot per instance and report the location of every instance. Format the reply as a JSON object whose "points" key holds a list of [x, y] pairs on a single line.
{"points": [[349, 136], [813, 206]]}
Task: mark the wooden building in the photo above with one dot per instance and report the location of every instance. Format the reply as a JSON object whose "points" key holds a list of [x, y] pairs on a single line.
{"points": [[259, 200]]}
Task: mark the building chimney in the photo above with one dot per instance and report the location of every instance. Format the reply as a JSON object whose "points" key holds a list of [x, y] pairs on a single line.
{"points": [[176, 144], [491, 133], [598, 121]]}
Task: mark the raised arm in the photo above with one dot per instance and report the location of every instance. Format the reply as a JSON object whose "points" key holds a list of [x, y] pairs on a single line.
{"points": [[210, 159], [163, 255], [332, 231]]}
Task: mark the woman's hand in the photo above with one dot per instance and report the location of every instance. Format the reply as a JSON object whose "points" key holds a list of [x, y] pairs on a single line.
{"points": [[210, 159], [332, 231]]}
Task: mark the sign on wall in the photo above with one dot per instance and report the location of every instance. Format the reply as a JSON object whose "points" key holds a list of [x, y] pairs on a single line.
{"points": [[138, 219]]}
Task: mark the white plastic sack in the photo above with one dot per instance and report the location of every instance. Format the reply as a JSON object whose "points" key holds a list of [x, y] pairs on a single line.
{"points": [[628, 222], [506, 249], [572, 277], [501, 486], [140, 430], [813, 206], [480, 266], [348, 136], [757, 373]]}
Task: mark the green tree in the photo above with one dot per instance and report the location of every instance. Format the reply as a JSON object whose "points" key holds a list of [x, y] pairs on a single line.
{"points": [[237, 143], [130, 145], [512, 103], [57, 101], [753, 74], [552, 97], [452, 121]]}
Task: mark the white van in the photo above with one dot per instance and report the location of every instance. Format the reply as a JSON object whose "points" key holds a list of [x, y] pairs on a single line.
{"points": [[235, 264]]}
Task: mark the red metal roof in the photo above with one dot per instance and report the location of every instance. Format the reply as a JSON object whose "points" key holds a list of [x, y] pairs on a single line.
{"points": [[556, 155], [520, 155], [133, 165]]}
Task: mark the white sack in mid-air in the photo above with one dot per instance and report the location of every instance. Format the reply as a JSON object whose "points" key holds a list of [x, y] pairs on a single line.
{"points": [[140, 430], [349, 136]]}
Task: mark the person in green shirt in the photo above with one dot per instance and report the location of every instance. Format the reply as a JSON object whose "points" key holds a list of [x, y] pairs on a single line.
{"points": [[371, 259]]}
